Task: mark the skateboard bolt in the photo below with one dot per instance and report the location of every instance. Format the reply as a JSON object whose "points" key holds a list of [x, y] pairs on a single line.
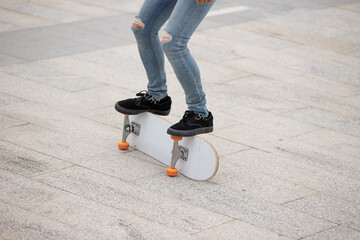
{"points": [[129, 128]]}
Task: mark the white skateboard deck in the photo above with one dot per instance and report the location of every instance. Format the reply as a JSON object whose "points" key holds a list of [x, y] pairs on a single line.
{"points": [[202, 162]]}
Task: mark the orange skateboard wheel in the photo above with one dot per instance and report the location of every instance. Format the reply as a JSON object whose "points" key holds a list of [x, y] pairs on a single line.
{"points": [[176, 138], [172, 172], [123, 145]]}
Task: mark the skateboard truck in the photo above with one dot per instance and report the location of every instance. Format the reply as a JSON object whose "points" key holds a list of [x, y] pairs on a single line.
{"points": [[128, 128], [177, 153]]}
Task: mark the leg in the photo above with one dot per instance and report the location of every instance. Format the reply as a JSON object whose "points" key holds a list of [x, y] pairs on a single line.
{"points": [[153, 14], [186, 17]]}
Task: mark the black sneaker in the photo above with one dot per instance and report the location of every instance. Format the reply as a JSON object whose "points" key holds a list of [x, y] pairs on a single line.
{"points": [[192, 124], [144, 103]]}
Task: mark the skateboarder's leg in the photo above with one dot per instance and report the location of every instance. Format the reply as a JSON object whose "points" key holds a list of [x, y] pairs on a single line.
{"points": [[185, 18], [153, 14]]}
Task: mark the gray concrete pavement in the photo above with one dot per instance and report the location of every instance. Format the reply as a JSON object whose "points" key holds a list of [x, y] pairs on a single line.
{"points": [[282, 79]]}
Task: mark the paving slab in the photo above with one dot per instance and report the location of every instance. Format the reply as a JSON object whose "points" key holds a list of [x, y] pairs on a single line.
{"points": [[237, 229], [6, 99], [245, 49], [330, 120], [81, 128], [352, 7], [354, 99], [51, 76], [118, 26], [321, 157], [80, 213], [85, 36], [44, 12], [212, 73], [105, 115], [214, 20], [225, 116], [296, 172], [311, 21], [120, 57], [105, 96], [117, 5], [113, 75], [335, 17], [291, 76], [126, 167], [128, 197], [336, 233], [217, 52], [331, 208], [310, 38], [266, 119], [8, 60], [248, 37], [19, 224], [257, 184], [248, 13], [32, 51], [303, 152], [252, 99], [333, 140], [51, 143], [105, 221], [7, 27], [238, 205], [64, 101], [76, 7], [223, 146], [8, 122], [302, 95], [325, 56], [329, 71], [25, 193], [355, 54], [350, 38], [27, 163], [286, 5], [22, 20]]}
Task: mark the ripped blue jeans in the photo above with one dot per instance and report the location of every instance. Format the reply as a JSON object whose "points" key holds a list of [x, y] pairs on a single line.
{"points": [[183, 16]]}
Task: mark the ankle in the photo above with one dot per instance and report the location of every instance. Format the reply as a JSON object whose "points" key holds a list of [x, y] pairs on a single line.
{"points": [[202, 115], [158, 95]]}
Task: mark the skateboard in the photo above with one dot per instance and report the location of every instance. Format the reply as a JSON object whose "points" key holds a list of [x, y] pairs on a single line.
{"points": [[193, 157]]}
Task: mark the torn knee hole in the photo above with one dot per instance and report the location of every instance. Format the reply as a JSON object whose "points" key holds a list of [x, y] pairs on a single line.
{"points": [[166, 37], [138, 23]]}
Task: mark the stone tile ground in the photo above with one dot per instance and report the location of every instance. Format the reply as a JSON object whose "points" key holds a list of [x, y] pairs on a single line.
{"points": [[282, 80]]}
